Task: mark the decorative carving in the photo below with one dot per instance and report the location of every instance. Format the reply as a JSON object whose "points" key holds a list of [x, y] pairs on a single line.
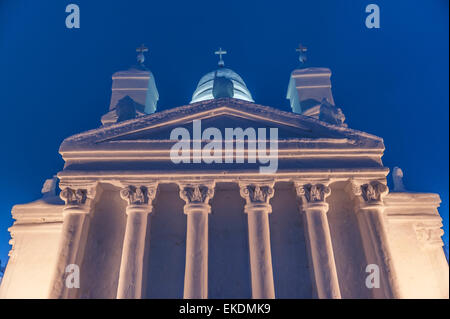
{"points": [[256, 194], [429, 235], [138, 195], [331, 114], [74, 196], [373, 192], [313, 193], [196, 194]]}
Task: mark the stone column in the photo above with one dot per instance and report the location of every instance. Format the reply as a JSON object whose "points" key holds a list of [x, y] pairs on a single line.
{"points": [[139, 200], [371, 221], [196, 196], [73, 238], [317, 229], [257, 208]]}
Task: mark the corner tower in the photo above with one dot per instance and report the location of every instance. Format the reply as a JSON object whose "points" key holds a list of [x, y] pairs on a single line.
{"points": [[309, 92], [134, 92]]}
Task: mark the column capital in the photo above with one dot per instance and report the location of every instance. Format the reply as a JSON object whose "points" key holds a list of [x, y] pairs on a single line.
{"points": [[257, 195], [196, 195], [370, 194], [78, 198], [139, 197], [312, 193]]}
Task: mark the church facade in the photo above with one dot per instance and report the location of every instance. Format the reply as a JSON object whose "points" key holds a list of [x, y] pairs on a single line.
{"points": [[225, 198]]}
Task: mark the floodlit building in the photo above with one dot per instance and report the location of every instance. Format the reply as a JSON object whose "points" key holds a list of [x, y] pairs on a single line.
{"points": [[225, 198]]}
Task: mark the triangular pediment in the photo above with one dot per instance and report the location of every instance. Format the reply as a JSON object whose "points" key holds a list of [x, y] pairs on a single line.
{"points": [[223, 121], [220, 114]]}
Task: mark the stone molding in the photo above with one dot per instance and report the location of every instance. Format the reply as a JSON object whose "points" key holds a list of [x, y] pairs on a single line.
{"points": [[429, 234], [120, 178]]}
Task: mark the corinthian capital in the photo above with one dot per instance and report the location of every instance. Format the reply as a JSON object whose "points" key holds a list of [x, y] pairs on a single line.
{"points": [[369, 193], [373, 192], [78, 197], [256, 193], [75, 197], [196, 193], [138, 195], [312, 193]]}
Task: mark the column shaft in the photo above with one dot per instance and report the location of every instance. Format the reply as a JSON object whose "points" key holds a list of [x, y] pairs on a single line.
{"points": [[321, 251], [315, 207], [376, 247], [196, 195], [374, 235], [257, 195], [260, 254], [196, 271], [131, 266], [75, 225]]}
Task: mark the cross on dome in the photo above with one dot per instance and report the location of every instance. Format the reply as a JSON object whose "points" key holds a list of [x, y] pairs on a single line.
{"points": [[221, 52], [140, 56]]}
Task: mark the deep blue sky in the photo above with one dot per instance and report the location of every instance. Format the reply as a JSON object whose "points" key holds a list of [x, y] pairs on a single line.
{"points": [[55, 82]]}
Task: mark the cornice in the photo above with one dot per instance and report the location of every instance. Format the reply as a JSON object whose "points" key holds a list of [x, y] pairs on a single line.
{"points": [[419, 211], [152, 154], [412, 207], [119, 177]]}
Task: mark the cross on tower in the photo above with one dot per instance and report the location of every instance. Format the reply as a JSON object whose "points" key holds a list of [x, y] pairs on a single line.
{"points": [[302, 53], [221, 52], [141, 57]]}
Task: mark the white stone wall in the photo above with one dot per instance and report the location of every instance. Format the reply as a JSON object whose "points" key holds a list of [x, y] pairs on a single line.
{"points": [[100, 268], [412, 224], [165, 246], [415, 236], [347, 243], [31, 264]]}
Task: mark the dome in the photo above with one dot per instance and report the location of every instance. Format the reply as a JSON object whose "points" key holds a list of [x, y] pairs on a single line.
{"points": [[204, 89]]}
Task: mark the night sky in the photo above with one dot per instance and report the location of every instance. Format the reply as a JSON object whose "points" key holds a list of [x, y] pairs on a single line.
{"points": [[56, 82]]}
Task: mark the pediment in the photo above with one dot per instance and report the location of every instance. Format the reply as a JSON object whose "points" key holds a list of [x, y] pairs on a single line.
{"points": [[221, 122], [221, 114]]}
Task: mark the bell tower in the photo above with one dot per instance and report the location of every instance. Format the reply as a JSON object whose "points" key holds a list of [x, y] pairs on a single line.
{"points": [[134, 92], [309, 92]]}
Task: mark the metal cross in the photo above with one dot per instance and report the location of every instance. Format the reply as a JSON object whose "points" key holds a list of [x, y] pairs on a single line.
{"points": [[141, 50], [302, 53], [220, 52]]}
